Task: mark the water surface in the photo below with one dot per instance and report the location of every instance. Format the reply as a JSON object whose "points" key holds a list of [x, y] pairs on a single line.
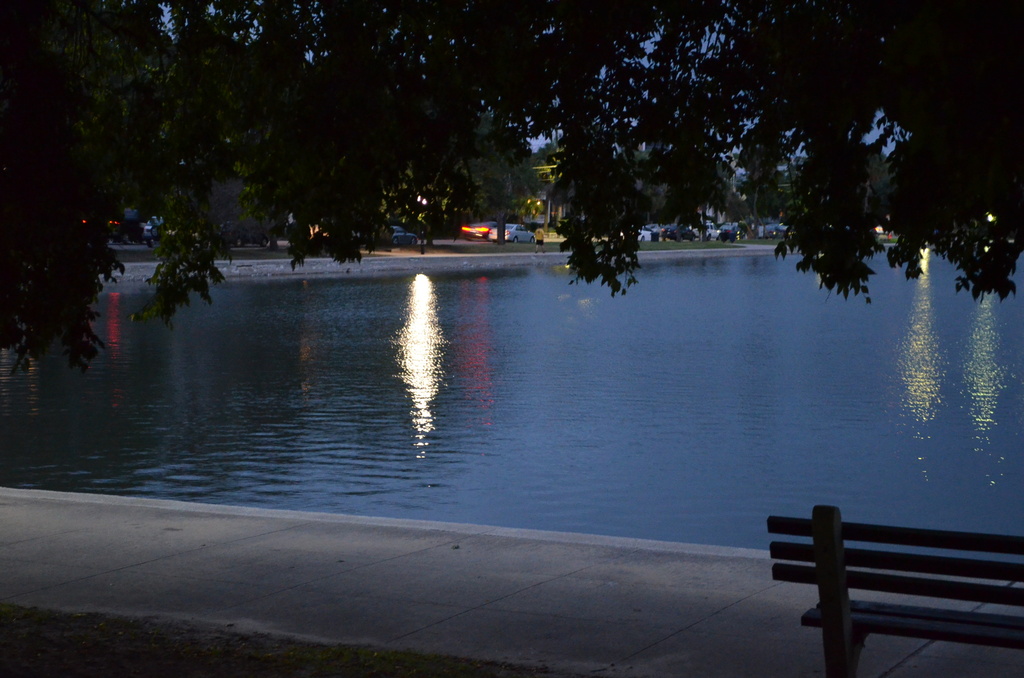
{"points": [[715, 392]]}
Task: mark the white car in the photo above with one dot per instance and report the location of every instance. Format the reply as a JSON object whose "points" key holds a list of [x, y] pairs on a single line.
{"points": [[514, 233], [647, 232]]}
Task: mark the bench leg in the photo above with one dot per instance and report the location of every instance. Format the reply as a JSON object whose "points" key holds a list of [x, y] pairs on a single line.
{"points": [[842, 647]]}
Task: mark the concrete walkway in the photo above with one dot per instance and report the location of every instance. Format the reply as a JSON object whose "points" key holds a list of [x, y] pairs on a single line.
{"points": [[574, 603]]}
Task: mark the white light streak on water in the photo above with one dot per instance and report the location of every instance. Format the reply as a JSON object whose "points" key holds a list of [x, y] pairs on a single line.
{"points": [[421, 345], [921, 357]]}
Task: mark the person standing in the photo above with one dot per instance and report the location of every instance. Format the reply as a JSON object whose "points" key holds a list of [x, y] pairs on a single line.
{"points": [[538, 236]]}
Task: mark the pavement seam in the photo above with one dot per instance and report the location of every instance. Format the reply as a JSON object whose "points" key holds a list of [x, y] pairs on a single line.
{"points": [[515, 593], [901, 663], [104, 572], [129, 566], [449, 543], [355, 568], [29, 540], [918, 651], [696, 623]]}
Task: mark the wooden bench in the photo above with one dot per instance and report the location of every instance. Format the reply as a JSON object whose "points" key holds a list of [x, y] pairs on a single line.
{"points": [[922, 566]]}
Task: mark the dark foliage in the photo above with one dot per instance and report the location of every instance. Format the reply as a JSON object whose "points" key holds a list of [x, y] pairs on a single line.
{"points": [[341, 116]]}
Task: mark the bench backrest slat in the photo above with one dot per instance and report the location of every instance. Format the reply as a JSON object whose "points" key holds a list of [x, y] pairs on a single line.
{"points": [[914, 586], [797, 527], [935, 588], [905, 536], [974, 568]]}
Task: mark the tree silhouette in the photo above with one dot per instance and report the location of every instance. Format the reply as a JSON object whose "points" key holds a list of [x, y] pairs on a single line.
{"points": [[342, 115]]}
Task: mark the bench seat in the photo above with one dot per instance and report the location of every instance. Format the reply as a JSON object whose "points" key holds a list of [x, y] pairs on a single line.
{"points": [[928, 623]]}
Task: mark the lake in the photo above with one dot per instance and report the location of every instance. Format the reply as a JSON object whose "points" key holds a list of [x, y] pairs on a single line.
{"points": [[715, 392]]}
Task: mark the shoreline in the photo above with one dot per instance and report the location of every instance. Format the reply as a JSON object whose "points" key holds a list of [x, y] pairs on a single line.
{"points": [[405, 264]]}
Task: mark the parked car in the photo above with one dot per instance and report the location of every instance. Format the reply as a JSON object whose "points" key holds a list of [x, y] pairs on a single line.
{"points": [[729, 232], [514, 233], [151, 231], [649, 233], [125, 232], [776, 231], [480, 231], [712, 232], [245, 232], [400, 236], [677, 233]]}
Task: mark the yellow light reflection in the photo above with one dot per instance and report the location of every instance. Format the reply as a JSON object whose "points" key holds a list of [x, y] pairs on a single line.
{"points": [[984, 379], [982, 373], [421, 346], [920, 360], [31, 379]]}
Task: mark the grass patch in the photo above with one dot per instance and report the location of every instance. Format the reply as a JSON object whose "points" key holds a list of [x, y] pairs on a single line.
{"points": [[37, 643], [131, 254], [140, 254], [685, 245]]}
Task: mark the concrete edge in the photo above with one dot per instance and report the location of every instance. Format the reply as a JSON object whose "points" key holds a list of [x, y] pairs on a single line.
{"points": [[466, 529], [402, 264]]}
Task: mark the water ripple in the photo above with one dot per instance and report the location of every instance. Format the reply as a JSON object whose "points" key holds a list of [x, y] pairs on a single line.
{"points": [[713, 393]]}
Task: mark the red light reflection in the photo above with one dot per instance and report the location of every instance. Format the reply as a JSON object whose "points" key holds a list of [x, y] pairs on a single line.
{"points": [[112, 336], [474, 344], [112, 341]]}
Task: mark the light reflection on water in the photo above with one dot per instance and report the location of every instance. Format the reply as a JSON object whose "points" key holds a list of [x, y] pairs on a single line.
{"points": [[712, 394], [420, 347], [983, 375], [921, 362], [986, 381]]}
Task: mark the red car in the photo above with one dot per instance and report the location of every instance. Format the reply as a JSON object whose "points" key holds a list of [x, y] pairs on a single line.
{"points": [[481, 231]]}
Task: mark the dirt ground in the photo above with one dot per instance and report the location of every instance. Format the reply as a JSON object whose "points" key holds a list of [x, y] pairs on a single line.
{"points": [[42, 644]]}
